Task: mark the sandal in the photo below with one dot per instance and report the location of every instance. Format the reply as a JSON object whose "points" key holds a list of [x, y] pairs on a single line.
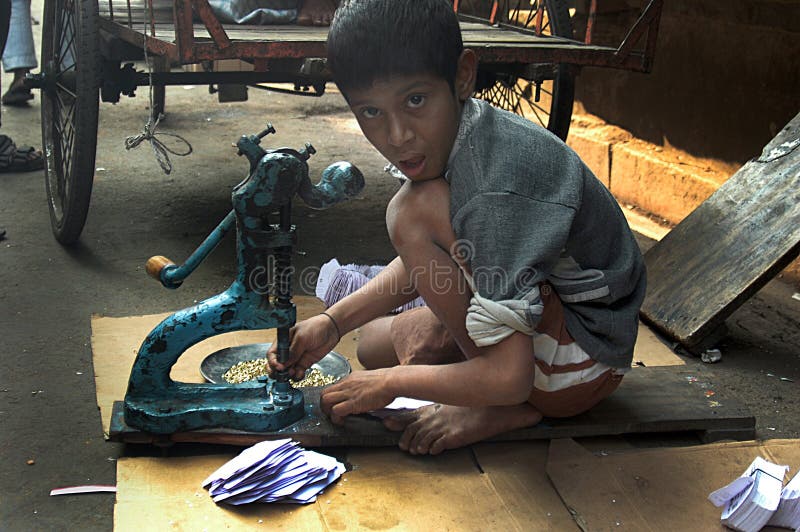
{"points": [[17, 94], [18, 159]]}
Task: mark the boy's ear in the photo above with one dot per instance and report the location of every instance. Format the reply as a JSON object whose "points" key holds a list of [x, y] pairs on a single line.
{"points": [[465, 74]]}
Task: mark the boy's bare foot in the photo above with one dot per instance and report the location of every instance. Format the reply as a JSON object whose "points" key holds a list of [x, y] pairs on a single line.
{"points": [[316, 12], [435, 428]]}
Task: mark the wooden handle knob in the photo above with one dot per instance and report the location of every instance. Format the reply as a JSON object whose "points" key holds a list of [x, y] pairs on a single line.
{"points": [[155, 264]]}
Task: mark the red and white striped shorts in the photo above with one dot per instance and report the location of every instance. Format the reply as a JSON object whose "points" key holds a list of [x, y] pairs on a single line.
{"points": [[567, 380]]}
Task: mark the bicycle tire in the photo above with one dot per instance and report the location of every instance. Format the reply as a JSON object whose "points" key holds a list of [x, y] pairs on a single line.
{"points": [[69, 110]]}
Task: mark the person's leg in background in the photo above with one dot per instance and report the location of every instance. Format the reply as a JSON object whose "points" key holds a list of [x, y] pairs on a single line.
{"points": [[19, 55], [5, 20], [13, 159]]}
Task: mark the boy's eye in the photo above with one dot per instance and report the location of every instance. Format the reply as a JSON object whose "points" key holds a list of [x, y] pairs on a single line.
{"points": [[369, 112], [416, 100]]}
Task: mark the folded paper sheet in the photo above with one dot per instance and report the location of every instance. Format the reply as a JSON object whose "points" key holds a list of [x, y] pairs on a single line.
{"points": [[751, 499], [273, 471], [788, 513]]}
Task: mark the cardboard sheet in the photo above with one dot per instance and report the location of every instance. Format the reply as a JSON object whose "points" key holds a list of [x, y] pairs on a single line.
{"points": [[165, 494], [517, 473], [502, 486], [385, 490], [391, 490], [655, 489], [498, 486], [652, 350]]}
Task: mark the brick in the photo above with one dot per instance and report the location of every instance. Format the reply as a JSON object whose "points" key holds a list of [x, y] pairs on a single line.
{"points": [[670, 190], [595, 152]]}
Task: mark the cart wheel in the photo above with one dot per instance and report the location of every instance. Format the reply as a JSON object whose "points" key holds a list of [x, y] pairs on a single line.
{"points": [[70, 65], [546, 98]]}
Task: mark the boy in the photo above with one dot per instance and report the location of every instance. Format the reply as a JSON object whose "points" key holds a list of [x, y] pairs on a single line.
{"points": [[532, 278]]}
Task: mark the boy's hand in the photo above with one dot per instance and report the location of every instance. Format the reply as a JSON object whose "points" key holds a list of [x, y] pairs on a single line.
{"points": [[310, 340], [359, 392]]}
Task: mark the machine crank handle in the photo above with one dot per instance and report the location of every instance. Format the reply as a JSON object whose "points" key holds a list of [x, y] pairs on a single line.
{"points": [[339, 182], [171, 275]]}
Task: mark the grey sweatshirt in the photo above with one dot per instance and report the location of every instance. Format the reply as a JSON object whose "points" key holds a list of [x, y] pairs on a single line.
{"points": [[527, 210]]}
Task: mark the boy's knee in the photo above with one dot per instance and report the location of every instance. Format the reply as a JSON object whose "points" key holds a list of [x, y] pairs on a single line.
{"points": [[418, 337]]}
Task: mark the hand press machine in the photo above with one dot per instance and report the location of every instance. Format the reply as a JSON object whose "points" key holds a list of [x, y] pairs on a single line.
{"points": [[259, 298]]}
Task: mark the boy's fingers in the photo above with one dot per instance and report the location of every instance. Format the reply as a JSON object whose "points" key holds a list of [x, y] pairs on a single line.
{"points": [[272, 360], [336, 420], [340, 410], [328, 404], [327, 400]]}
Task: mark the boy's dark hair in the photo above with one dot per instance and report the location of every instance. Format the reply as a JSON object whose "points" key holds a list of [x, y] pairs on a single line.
{"points": [[371, 40]]}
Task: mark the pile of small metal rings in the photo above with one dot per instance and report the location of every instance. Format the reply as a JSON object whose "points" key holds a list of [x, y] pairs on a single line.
{"points": [[249, 370]]}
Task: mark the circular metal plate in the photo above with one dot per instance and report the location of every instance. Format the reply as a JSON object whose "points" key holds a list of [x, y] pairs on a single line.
{"points": [[216, 364]]}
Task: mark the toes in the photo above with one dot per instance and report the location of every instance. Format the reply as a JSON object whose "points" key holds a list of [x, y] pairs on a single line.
{"points": [[421, 443], [405, 440], [438, 446]]}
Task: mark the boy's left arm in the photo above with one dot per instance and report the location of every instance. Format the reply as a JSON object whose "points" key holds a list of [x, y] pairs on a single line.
{"points": [[501, 375]]}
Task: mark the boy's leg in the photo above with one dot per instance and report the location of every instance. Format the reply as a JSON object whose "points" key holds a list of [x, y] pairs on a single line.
{"points": [[568, 381], [415, 336], [418, 220], [419, 226], [375, 349]]}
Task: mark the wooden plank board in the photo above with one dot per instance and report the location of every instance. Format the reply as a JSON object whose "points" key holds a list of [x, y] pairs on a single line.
{"points": [[649, 400], [474, 35], [729, 247]]}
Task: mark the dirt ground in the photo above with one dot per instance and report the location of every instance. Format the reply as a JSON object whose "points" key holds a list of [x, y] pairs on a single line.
{"points": [[48, 293]]}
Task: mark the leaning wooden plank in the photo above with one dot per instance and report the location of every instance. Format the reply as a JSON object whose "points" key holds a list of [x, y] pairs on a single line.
{"points": [[729, 247], [649, 400]]}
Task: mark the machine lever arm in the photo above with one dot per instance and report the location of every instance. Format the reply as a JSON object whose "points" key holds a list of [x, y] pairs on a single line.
{"points": [[171, 275]]}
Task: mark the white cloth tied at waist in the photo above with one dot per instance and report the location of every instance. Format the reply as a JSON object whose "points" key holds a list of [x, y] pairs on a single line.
{"points": [[490, 322]]}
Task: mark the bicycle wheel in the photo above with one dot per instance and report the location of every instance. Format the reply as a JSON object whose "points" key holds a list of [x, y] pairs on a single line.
{"points": [[547, 98], [70, 68]]}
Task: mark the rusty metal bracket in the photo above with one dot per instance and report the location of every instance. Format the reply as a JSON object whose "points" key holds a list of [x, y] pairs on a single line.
{"points": [[154, 46], [184, 30], [648, 22], [215, 29]]}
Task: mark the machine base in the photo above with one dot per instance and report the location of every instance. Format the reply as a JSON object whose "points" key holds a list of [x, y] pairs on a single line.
{"points": [[234, 407]]}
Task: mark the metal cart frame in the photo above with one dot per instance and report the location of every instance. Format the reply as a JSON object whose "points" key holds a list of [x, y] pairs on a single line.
{"points": [[527, 55]]}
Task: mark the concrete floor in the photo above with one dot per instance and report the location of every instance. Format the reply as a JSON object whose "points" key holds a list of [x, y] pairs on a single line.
{"points": [[48, 293]]}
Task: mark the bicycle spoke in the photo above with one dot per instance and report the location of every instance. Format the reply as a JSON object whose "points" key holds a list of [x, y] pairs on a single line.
{"points": [[533, 108], [64, 88]]}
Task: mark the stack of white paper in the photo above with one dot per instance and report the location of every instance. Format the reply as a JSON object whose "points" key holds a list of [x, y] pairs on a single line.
{"points": [[751, 499], [788, 513], [273, 471]]}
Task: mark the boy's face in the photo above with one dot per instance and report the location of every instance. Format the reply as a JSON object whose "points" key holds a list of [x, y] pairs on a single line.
{"points": [[413, 120]]}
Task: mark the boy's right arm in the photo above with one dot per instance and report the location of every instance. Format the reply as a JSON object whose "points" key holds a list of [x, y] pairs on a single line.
{"points": [[313, 338]]}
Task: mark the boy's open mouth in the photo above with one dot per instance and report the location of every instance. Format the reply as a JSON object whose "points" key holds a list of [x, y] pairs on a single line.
{"points": [[412, 167]]}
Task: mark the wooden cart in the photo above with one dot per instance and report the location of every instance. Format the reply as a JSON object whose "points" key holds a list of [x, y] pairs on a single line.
{"points": [[528, 62]]}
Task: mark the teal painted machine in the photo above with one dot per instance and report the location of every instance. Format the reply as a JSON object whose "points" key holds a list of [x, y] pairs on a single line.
{"points": [[259, 298]]}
